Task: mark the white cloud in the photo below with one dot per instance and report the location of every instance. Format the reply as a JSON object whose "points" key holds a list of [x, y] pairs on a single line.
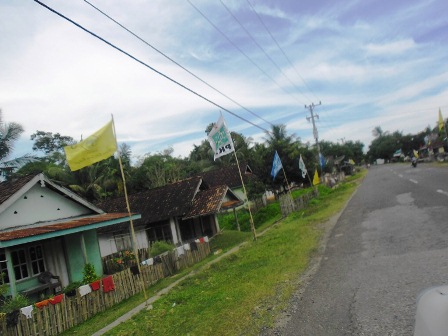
{"points": [[415, 90], [388, 48]]}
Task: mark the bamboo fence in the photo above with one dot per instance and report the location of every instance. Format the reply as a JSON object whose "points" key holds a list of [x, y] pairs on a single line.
{"points": [[288, 205]]}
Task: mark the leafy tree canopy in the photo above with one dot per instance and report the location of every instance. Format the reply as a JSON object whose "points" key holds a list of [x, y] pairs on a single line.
{"points": [[52, 145], [9, 133]]}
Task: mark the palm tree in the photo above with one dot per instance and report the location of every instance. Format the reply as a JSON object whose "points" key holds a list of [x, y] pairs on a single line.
{"points": [[8, 134], [378, 132], [278, 137]]}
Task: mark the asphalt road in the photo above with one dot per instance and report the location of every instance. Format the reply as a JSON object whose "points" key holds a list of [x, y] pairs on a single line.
{"points": [[390, 242]]}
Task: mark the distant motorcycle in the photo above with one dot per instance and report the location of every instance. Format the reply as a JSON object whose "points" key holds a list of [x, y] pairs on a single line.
{"points": [[414, 162]]}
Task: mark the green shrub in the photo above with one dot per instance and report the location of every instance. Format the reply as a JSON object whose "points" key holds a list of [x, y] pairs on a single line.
{"points": [[266, 213], [89, 274], [12, 304], [227, 221], [160, 247]]}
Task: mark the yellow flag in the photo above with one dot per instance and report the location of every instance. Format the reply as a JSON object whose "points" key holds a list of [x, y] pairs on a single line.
{"points": [[316, 179], [97, 147], [441, 123]]}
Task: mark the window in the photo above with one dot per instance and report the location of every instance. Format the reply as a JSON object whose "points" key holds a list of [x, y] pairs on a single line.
{"points": [[3, 268], [26, 262], [37, 259], [122, 241], [159, 232], [19, 264]]}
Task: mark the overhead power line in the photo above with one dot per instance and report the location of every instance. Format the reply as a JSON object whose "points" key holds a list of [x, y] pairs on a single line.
{"points": [[280, 48], [173, 61], [241, 51], [263, 50], [148, 66]]}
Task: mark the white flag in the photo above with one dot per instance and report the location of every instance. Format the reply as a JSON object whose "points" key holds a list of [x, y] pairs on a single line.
{"points": [[220, 139], [302, 167]]}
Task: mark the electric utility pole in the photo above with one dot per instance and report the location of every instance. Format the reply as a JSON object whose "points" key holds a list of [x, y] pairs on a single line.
{"points": [[316, 136]]}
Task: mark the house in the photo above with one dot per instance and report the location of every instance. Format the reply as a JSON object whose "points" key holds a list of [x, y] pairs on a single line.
{"points": [[178, 213], [230, 176], [47, 228]]}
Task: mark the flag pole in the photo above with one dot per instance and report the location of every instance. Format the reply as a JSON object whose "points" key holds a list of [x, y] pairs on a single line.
{"points": [[252, 225], [307, 173], [286, 179], [131, 223], [309, 179], [287, 183]]}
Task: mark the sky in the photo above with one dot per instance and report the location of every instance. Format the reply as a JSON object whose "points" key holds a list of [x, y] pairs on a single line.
{"points": [[362, 63]]}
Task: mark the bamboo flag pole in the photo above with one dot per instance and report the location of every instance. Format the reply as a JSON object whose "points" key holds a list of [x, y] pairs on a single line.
{"points": [[131, 223], [252, 225], [304, 169], [309, 179]]}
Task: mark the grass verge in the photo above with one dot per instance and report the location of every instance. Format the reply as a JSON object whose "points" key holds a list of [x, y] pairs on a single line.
{"points": [[243, 292]]}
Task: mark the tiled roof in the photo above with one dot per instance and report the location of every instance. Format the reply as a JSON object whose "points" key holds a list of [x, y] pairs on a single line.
{"points": [[67, 224], [9, 188], [173, 200], [229, 176], [207, 202]]}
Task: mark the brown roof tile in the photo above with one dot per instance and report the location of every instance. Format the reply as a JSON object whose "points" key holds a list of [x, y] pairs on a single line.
{"points": [[207, 202], [173, 200], [229, 176], [9, 188]]}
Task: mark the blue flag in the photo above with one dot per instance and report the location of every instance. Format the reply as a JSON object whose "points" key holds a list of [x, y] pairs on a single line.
{"points": [[322, 160], [276, 165]]}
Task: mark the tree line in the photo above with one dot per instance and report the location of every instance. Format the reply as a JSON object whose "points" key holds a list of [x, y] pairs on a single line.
{"points": [[103, 179], [386, 144]]}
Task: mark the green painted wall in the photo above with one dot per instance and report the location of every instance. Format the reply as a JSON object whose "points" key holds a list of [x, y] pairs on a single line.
{"points": [[93, 251], [75, 254], [27, 283]]}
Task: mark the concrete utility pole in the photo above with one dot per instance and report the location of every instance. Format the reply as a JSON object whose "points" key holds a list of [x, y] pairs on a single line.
{"points": [[316, 136]]}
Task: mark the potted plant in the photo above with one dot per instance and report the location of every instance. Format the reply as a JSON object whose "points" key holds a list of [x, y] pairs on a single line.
{"points": [[70, 290]]}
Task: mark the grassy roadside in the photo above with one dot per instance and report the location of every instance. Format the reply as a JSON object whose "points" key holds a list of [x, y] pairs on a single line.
{"points": [[241, 293]]}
